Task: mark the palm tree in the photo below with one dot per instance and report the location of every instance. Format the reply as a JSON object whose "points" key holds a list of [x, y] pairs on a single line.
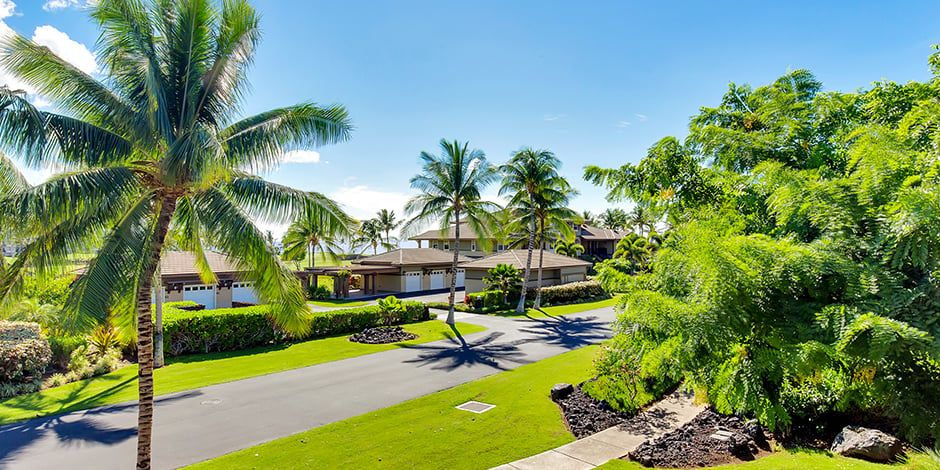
{"points": [[317, 229], [385, 220], [614, 219], [451, 184], [504, 277], [587, 218], [640, 218], [569, 248], [11, 181], [529, 175], [369, 234], [553, 215], [633, 248], [156, 146]]}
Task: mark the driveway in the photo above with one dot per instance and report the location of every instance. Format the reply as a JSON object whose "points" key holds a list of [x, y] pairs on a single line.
{"points": [[200, 424]]}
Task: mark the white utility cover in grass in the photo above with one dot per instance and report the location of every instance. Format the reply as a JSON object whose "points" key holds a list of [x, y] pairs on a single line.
{"points": [[476, 407]]}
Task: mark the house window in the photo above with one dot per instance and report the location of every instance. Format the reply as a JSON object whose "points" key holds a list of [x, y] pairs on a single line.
{"points": [[446, 246], [473, 246], [435, 245], [500, 247]]}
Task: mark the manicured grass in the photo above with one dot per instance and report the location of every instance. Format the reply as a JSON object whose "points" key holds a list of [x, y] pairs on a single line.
{"points": [[189, 372], [428, 432], [787, 460], [345, 303]]}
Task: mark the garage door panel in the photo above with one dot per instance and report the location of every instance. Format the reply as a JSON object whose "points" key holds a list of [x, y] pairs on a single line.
{"points": [[437, 279], [244, 292], [412, 282], [201, 294]]}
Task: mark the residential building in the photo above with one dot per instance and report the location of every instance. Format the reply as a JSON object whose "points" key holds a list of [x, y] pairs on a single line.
{"points": [[599, 242], [556, 269], [469, 246]]}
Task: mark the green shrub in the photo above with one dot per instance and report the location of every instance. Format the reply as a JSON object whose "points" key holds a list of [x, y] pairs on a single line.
{"points": [[240, 328], [182, 305], [12, 389], [391, 304], [24, 352], [570, 292], [47, 291], [62, 348], [318, 292]]}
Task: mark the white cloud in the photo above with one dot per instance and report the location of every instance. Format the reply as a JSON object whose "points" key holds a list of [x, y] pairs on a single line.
{"points": [[622, 124], [7, 8], [52, 5], [553, 117], [641, 117], [361, 202], [63, 46], [301, 156]]}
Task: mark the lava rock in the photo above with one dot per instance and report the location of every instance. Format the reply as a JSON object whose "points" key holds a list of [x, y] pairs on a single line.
{"points": [[586, 416], [869, 444], [382, 335], [561, 391], [753, 430]]}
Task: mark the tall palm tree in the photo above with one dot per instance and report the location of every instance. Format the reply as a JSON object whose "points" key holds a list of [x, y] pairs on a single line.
{"points": [[385, 220], [553, 214], [528, 174], [156, 145], [317, 229], [641, 219], [369, 234], [11, 181], [614, 219], [451, 185], [587, 218], [568, 248]]}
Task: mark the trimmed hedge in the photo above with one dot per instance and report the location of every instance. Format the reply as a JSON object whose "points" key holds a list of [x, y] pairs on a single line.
{"points": [[570, 292], [240, 328], [184, 305], [24, 355]]}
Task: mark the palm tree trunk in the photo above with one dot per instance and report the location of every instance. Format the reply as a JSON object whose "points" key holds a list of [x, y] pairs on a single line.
{"points": [[158, 318], [528, 262], [145, 337], [538, 286], [453, 271]]}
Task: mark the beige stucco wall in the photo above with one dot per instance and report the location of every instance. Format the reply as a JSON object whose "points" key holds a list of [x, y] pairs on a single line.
{"points": [[174, 296], [389, 282], [575, 274], [223, 297]]}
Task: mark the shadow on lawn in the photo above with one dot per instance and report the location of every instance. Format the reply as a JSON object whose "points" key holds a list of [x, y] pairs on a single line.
{"points": [[483, 351], [71, 430]]}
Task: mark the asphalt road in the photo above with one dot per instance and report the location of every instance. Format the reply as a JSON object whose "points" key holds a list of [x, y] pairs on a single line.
{"points": [[200, 424]]}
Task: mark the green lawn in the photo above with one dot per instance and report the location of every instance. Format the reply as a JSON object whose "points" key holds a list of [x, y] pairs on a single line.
{"points": [[189, 372], [344, 303], [428, 432], [788, 460]]}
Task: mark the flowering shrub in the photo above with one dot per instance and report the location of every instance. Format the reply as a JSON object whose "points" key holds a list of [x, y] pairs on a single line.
{"points": [[24, 355]]}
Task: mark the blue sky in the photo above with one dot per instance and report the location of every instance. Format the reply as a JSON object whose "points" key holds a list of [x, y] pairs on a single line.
{"points": [[596, 82]]}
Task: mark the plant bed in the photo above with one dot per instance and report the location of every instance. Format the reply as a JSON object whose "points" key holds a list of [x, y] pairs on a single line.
{"points": [[709, 439], [583, 415], [393, 334]]}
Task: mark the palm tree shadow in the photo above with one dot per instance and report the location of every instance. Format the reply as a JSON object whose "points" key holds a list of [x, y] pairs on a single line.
{"points": [[15, 438], [571, 333], [460, 353]]}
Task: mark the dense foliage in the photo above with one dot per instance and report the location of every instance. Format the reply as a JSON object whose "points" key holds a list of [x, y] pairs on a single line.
{"points": [[801, 274], [239, 328], [24, 355]]}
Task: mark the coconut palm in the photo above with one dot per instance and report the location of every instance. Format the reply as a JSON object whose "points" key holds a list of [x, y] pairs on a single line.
{"points": [[614, 219], [528, 173], [11, 181], [504, 277], [641, 219], [156, 145], [553, 214], [568, 248], [451, 184], [317, 229], [369, 234], [385, 220]]}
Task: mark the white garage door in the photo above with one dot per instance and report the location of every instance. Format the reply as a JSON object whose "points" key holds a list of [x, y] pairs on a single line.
{"points": [[437, 279], [461, 277], [412, 282], [244, 292], [201, 294]]}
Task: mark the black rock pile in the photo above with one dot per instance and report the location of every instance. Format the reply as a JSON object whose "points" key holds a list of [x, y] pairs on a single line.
{"points": [[383, 335]]}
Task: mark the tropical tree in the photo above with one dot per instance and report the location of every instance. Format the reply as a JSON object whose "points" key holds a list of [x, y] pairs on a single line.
{"points": [[317, 229], [451, 185], [614, 219], [641, 219], [569, 248], [385, 220], [504, 277], [633, 248], [369, 234], [528, 175], [587, 218], [157, 145], [553, 215], [11, 179]]}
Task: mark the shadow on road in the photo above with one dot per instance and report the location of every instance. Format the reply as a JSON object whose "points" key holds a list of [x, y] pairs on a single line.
{"points": [[459, 353], [71, 431], [571, 333]]}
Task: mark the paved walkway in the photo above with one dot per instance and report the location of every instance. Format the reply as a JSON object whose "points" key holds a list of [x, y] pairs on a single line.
{"points": [[200, 424], [616, 442]]}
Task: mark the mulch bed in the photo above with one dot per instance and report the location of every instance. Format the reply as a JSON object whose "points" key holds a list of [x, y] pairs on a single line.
{"points": [[585, 415], [698, 444], [393, 334]]}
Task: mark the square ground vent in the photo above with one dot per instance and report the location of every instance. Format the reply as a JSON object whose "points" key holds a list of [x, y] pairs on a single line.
{"points": [[476, 407]]}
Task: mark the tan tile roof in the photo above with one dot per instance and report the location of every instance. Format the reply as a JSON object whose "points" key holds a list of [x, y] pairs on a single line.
{"points": [[178, 263], [437, 234], [413, 257], [589, 232], [516, 259]]}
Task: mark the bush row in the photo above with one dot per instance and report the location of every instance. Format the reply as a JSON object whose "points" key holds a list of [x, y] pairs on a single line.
{"points": [[570, 292], [24, 355], [239, 328]]}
